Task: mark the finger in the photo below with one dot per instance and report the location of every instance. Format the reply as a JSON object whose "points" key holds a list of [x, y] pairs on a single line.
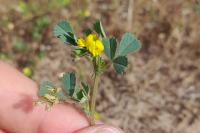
{"points": [[2, 131], [62, 119], [100, 129], [17, 113]]}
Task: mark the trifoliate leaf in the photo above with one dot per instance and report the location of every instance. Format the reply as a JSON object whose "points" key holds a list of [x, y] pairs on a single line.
{"points": [[128, 45], [68, 83], [110, 46], [120, 63], [64, 31], [99, 28], [45, 87]]}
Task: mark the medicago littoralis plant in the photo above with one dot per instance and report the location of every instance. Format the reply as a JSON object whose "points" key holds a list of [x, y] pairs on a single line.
{"points": [[92, 46]]}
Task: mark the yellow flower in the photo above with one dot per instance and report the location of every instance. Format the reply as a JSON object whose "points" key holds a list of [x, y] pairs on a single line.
{"points": [[90, 39], [94, 45], [81, 43], [96, 48]]}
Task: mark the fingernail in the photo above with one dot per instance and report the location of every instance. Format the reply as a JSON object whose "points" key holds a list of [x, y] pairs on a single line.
{"points": [[101, 129], [107, 130]]}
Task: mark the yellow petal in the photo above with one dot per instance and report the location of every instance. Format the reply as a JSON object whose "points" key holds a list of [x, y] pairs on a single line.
{"points": [[81, 42], [91, 37], [99, 45]]}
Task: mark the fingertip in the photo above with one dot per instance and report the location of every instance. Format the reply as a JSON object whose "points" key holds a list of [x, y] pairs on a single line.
{"points": [[62, 119]]}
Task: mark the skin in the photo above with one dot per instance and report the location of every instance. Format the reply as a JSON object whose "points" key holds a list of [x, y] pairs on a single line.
{"points": [[19, 115]]}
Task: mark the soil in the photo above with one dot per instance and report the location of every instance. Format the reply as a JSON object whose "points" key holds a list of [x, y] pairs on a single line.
{"points": [[160, 91]]}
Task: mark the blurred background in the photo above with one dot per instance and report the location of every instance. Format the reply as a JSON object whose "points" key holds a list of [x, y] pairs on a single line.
{"points": [[159, 93]]}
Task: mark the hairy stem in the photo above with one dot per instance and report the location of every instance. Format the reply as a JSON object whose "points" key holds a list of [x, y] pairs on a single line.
{"points": [[93, 94]]}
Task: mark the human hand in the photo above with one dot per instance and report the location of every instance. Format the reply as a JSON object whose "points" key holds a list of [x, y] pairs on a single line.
{"points": [[19, 115]]}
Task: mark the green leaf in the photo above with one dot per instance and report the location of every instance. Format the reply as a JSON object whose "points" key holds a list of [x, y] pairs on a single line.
{"points": [[128, 45], [62, 28], [68, 83], [110, 46], [79, 94], [45, 87], [79, 52], [86, 88], [64, 31], [99, 28], [61, 96], [82, 94], [70, 38], [120, 63]]}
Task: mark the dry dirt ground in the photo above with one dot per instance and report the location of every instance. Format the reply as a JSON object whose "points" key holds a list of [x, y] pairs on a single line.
{"points": [[160, 92]]}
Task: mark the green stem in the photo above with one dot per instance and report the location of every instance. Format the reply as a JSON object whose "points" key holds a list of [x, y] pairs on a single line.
{"points": [[93, 94]]}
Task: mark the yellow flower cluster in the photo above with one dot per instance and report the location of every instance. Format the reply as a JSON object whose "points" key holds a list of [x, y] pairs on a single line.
{"points": [[92, 44]]}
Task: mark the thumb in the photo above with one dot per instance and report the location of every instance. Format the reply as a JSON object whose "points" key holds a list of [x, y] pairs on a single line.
{"points": [[100, 129]]}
